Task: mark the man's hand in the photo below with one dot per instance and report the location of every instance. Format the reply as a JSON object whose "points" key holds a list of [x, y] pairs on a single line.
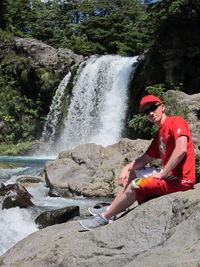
{"points": [[160, 175], [124, 176]]}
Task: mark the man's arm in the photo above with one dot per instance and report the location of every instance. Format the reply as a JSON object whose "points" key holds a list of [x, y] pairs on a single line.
{"points": [[176, 157], [136, 164]]}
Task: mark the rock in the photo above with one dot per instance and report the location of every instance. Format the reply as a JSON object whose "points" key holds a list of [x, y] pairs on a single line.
{"points": [[42, 54], [91, 170], [58, 216], [101, 204], [190, 105], [2, 188], [55, 191], [29, 179], [173, 59], [161, 232], [5, 166], [15, 195], [59, 192]]}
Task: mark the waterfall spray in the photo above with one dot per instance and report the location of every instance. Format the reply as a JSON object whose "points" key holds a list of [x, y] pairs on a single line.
{"points": [[55, 112]]}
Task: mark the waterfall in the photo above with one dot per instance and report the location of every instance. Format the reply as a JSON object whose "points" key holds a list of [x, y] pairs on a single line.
{"points": [[99, 100], [55, 113]]}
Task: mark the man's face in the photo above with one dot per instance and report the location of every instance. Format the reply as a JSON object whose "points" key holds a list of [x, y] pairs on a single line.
{"points": [[154, 112]]}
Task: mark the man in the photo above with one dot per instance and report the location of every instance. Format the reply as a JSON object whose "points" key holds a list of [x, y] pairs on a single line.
{"points": [[173, 145]]}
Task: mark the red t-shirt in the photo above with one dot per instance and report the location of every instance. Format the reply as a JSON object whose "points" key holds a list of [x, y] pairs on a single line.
{"points": [[163, 145]]}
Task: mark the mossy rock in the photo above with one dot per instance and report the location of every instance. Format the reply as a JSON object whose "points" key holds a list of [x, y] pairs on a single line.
{"points": [[29, 179], [6, 166]]}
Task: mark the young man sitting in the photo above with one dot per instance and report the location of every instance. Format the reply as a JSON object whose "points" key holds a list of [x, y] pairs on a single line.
{"points": [[173, 145]]}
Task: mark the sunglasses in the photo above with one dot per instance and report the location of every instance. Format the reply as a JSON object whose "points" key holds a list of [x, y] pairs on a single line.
{"points": [[151, 109]]}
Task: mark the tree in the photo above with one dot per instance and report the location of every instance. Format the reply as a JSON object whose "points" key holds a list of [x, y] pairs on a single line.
{"points": [[4, 11], [110, 27]]}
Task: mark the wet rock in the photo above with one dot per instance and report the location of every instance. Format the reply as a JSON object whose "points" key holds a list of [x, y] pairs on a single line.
{"points": [[29, 179], [101, 204], [58, 216], [5, 166], [59, 192], [2, 187], [15, 195]]}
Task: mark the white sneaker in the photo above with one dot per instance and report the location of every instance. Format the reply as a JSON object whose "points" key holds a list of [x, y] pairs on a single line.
{"points": [[95, 211], [99, 211], [94, 222]]}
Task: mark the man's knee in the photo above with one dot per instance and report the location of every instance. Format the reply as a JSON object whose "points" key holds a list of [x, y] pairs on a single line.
{"points": [[130, 188]]}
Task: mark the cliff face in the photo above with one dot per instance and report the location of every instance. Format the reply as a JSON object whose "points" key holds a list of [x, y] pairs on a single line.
{"points": [[175, 58], [41, 55], [60, 59]]}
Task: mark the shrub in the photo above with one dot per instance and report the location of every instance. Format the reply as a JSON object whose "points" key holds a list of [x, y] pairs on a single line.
{"points": [[15, 150]]}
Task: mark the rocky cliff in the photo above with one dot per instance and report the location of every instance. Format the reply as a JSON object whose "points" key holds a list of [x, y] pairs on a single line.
{"points": [[41, 54], [174, 58]]}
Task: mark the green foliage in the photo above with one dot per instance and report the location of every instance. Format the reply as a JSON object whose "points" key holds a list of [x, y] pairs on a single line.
{"points": [[141, 127], [157, 90], [18, 125], [112, 27], [25, 95], [5, 35], [182, 8], [124, 27], [86, 27], [15, 150]]}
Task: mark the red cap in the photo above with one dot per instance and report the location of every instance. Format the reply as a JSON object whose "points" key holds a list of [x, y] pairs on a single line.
{"points": [[149, 98]]}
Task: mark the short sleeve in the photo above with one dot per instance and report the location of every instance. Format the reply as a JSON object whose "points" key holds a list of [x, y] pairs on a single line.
{"points": [[180, 127]]}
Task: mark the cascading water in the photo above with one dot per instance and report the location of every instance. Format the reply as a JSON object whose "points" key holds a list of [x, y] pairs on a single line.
{"points": [[99, 102], [55, 113]]}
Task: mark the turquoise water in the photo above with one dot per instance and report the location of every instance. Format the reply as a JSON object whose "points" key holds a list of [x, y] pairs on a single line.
{"points": [[25, 161]]}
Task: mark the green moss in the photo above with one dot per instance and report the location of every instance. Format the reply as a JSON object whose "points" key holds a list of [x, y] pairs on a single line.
{"points": [[5, 35], [15, 150]]}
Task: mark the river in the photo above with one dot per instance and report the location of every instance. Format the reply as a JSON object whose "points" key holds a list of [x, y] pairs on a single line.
{"points": [[16, 223]]}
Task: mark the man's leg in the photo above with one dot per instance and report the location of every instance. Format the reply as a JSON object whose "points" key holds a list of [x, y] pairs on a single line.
{"points": [[123, 200]]}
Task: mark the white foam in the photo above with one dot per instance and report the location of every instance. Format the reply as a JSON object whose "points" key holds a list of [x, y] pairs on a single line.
{"points": [[15, 224]]}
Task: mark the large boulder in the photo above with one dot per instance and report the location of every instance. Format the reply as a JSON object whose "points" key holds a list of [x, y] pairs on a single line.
{"points": [[190, 107], [42, 54], [15, 195], [92, 170], [57, 216], [162, 232]]}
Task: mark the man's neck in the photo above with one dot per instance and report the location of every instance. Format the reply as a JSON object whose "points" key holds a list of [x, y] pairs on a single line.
{"points": [[161, 122]]}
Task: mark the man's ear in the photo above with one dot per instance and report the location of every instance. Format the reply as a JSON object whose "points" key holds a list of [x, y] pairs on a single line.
{"points": [[163, 108]]}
